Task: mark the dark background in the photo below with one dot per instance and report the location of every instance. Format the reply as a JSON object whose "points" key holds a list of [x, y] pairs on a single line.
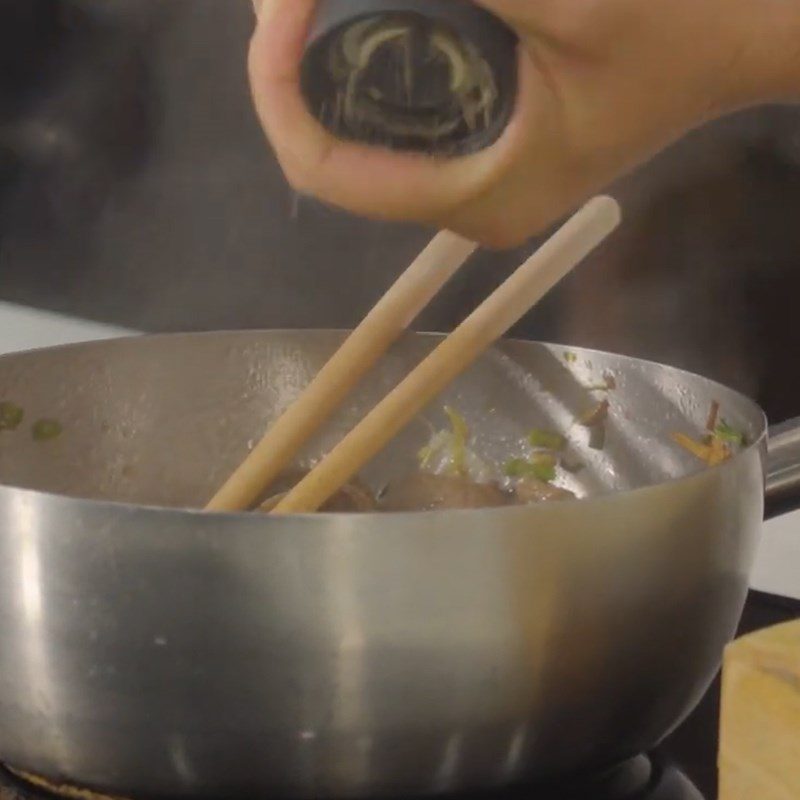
{"points": [[136, 189]]}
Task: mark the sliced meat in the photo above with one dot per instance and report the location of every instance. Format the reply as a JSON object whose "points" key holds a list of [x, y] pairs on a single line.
{"points": [[422, 491], [531, 490], [352, 497]]}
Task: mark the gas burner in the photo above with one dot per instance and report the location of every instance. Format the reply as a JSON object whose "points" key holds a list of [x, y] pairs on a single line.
{"points": [[640, 778], [16, 785]]}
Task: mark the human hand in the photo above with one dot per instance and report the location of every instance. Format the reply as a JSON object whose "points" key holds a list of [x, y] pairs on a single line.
{"points": [[604, 85]]}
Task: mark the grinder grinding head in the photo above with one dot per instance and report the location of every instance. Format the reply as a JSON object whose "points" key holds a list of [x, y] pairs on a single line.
{"points": [[436, 76]]}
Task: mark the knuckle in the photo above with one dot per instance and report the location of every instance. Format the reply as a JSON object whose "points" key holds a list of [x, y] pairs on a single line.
{"points": [[298, 176], [303, 162]]}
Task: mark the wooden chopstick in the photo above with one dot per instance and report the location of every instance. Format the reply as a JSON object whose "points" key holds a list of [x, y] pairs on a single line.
{"points": [[502, 309], [393, 313]]}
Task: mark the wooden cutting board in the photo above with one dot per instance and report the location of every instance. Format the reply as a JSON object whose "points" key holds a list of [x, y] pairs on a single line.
{"points": [[759, 757]]}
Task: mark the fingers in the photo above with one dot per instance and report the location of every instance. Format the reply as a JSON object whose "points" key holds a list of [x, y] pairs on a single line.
{"points": [[364, 180], [485, 197], [538, 185]]}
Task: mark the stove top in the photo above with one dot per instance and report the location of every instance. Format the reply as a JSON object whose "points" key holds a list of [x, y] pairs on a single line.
{"points": [[641, 778], [684, 768]]}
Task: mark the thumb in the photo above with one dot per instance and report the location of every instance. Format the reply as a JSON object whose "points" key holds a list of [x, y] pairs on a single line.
{"points": [[257, 4]]}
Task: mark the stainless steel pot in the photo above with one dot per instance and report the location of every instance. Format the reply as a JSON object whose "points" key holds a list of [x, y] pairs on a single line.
{"points": [[157, 651]]}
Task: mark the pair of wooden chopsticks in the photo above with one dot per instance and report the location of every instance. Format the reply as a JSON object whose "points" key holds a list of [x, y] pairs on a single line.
{"points": [[382, 326], [394, 312]]}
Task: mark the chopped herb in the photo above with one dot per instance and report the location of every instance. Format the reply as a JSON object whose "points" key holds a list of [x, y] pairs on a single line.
{"points": [[713, 452], [517, 467], [448, 448], [718, 452], [11, 416], [547, 440], [460, 438], [727, 434], [544, 473], [46, 429], [713, 416], [698, 449], [717, 445], [457, 423], [596, 416], [595, 419], [541, 466], [608, 384], [570, 358], [425, 455]]}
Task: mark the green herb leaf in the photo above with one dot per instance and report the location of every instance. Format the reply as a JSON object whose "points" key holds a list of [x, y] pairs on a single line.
{"points": [[11, 416], [517, 468], [46, 429], [727, 434], [570, 358], [425, 455], [457, 423], [547, 440], [460, 437], [543, 468]]}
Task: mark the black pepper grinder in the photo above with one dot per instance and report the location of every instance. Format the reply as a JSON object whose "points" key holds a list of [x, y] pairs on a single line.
{"points": [[434, 76]]}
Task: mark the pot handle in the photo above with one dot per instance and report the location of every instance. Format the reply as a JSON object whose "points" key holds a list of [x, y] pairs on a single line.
{"points": [[783, 469]]}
